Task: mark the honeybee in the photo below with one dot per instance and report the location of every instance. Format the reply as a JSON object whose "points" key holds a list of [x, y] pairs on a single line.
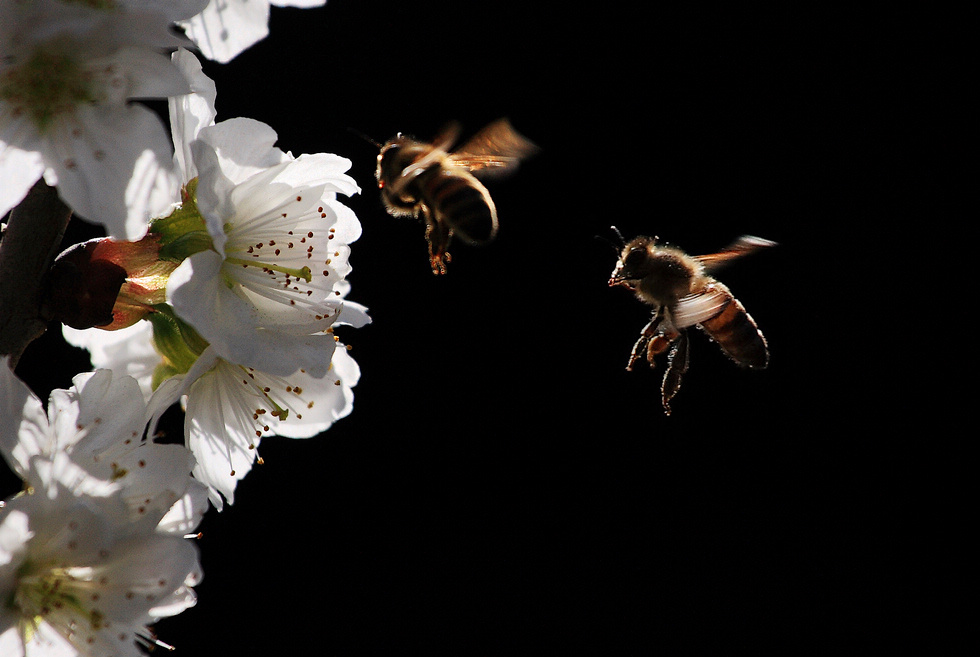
{"points": [[416, 177], [683, 294]]}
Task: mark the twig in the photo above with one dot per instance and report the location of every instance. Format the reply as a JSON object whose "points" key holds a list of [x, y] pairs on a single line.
{"points": [[30, 243]]}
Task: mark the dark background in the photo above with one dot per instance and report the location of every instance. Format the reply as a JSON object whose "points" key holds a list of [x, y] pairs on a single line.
{"points": [[504, 486]]}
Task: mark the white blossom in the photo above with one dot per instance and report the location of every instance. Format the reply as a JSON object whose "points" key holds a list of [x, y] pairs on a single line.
{"points": [[93, 551], [68, 72], [90, 440], [270, 291], [230, 408], [264, 300], [79, 577]]}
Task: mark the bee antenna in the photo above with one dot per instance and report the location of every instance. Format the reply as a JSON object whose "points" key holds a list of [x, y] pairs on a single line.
{"points": [[616, 249], [622, 241], [364, 137]]}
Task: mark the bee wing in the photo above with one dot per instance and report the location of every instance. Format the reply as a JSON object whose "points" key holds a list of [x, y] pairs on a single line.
{"points": [[438, 149], [447, 136], [495, 149], [696, 308], [743, 246]]}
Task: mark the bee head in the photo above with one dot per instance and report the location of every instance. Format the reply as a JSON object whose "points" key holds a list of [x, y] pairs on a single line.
{"points": [[634, 257], [387, 161], [397, 154]]}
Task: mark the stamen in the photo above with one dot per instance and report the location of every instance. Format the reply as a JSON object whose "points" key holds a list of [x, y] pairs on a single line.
{"points": [[303, 272]]}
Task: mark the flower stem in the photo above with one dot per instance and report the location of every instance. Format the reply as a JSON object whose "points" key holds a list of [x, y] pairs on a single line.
{"points": [[30, 243]]}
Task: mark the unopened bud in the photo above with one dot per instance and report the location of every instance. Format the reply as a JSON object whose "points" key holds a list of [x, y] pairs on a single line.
{"points": [[106, 283]]}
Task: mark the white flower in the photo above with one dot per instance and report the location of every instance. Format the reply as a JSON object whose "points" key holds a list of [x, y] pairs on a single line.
{"points": [[230, 409], [270, 298], [78, 576], [68, 72], [127, 352], [227, 27], [274, 283], [251, 339], [90, 440]]}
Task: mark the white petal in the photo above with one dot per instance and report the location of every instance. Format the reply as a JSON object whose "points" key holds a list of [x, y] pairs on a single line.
{"points": [[112, 167], [227, 27], [111, 409], [186, 514], [47, 475], [303, 4], [45, 643], [244, 147], [219, 432], [326, 399], [19, 170], [24, 430], [14, 533], [233, 326], [314, 169], [149, 74], [191, 112], [230, 409], [153, 566], [153, 479], [174, 10], [127, 352], [353, 314]]}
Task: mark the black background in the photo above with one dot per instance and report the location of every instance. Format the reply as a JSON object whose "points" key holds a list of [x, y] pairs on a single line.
{"points": [[504, 486]]}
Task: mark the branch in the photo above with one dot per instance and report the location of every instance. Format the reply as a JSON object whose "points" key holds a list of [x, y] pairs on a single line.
{"points": [[30, 243]]}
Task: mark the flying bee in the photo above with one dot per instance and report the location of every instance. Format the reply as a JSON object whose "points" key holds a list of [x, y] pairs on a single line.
{"points": [[416, 177], [683, 294]]}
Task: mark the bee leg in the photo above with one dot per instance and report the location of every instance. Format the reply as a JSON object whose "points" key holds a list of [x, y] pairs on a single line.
{"points": [[649, 331], [438, 235], [438, 261], [659, 344], [637, 348], [677, 363]]}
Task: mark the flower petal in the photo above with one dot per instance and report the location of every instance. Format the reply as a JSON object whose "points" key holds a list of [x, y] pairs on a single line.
{"points": [[224, 29], [191, 112], [112, 167], [19, 170], [233, 325], [127, 352], [220, 433], [24, 431]]}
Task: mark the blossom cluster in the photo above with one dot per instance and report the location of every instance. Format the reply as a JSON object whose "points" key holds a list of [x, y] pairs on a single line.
{"points": [[218, 289]]}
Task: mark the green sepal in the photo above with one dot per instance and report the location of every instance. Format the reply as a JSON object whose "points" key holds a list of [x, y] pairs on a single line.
{"points": [[175, 340], [161, 373], [184, 231], [186, 245]]}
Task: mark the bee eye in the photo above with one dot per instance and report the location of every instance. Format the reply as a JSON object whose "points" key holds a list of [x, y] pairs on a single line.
{"points": [[635, 257]]}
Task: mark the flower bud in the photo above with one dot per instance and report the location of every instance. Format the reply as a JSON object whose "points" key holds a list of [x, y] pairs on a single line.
{"points": [[106, 283]]}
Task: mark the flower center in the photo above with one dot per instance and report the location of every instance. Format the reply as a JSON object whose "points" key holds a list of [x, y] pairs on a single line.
{"points": [[48, 84], [304, 273], [51, 594]]}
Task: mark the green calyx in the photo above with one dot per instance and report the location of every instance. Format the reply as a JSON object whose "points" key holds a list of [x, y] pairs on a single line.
{"points": [[184, 231], [176, 341]]}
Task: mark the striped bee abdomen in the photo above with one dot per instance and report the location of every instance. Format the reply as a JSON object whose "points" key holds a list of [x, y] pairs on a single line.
{"points": [[463, 203], [738, 335]]}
